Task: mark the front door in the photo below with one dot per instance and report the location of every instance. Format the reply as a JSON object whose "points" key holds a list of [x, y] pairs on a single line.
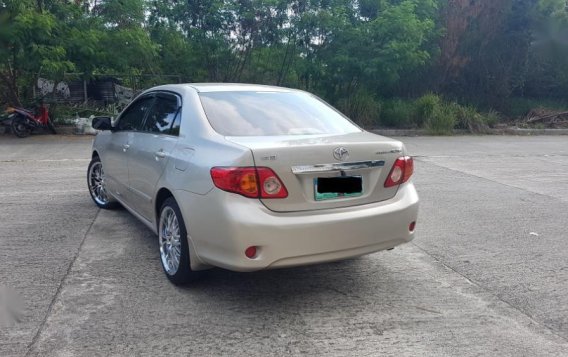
{"points": [[118, 150], [115, 164]]}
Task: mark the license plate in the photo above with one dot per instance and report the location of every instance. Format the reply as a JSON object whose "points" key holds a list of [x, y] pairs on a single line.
{"points": [[326, 188]]}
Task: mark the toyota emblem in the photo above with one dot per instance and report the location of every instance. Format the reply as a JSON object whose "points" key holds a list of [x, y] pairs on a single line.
{"points": [[341, 153]]}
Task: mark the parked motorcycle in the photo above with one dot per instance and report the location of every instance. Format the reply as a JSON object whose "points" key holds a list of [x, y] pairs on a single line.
{"points": [[24, 121]]}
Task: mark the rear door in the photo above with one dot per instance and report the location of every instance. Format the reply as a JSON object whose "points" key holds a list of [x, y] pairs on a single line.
{"points": [[150, 150]]}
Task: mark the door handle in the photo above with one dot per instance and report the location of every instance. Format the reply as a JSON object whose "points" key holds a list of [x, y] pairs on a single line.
{"points": [[160, 154], [125, 147]]}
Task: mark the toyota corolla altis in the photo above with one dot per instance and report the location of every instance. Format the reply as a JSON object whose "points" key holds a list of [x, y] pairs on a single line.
{"points": [[250, 177]]}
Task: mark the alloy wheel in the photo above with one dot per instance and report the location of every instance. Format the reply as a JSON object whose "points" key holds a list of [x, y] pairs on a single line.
{"points": [[97, 184], [170, 240]]}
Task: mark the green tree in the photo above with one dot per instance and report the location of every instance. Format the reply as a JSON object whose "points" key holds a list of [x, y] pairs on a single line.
{"points": [[30, 44], [354, 53], [548, 77]]}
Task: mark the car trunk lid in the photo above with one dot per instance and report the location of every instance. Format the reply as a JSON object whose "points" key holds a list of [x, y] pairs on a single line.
{"points": [[326, 171]]}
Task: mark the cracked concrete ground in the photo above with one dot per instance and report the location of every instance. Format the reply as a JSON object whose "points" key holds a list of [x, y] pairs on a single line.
{"points": [[486, 275]]}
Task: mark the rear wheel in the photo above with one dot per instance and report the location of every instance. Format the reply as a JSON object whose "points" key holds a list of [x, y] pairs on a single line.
{"points": [[20, 127], [97, 185], [174, 249]]}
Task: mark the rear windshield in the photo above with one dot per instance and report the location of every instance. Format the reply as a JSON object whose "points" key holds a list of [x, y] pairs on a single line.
{"points": [[272, 113]]}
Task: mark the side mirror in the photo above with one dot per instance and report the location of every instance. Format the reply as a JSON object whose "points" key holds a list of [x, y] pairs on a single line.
{"points": [[102, 123]]}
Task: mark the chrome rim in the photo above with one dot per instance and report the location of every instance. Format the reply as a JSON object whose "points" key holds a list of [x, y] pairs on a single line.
{"points": [[170, 242], [97, 184]]}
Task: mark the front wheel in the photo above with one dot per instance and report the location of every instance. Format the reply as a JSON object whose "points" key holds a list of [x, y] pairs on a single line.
{"points": [[20, 127], [174, 250], [97, 185]]}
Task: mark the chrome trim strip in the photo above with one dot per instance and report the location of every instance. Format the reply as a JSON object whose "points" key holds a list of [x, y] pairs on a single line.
{"points": [[344, 166]]}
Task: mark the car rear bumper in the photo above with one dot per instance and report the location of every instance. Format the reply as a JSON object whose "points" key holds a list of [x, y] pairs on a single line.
{"points": [[222, 225]]}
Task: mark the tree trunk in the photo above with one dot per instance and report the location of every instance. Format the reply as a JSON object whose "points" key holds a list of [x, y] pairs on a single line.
{"points": [[10, 89]]}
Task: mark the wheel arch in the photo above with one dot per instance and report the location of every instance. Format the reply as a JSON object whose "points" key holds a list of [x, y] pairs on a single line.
{"points": [[162, 195], [194, 259]]}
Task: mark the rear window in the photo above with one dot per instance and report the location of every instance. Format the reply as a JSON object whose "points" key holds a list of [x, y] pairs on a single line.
{"points": [[272, 114]]}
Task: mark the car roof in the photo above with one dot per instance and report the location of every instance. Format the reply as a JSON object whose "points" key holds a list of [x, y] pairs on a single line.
{"points": [[225, 87]]}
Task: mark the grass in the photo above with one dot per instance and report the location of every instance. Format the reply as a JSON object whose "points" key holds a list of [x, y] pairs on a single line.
{"points": [[425, 107], [442, 120], [431, 112]]}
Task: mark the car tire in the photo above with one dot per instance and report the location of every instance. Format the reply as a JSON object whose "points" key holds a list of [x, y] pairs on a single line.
{"points": [[173, 245], [96, 184]]}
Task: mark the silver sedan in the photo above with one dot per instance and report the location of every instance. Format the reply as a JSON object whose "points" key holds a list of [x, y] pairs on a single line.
{"points": [[250, 177]]}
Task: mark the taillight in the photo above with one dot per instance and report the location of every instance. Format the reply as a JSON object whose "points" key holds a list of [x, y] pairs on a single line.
{"points": [[408, 169], [401, 171], [253, 182], [270, 184]]}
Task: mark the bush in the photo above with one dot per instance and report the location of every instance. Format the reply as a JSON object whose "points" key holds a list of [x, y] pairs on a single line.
{"points": [[397, 113], [436, 115], [492, 118], [425, 107], [361, 107], [442, 121], [468, 118], [66, 114]]}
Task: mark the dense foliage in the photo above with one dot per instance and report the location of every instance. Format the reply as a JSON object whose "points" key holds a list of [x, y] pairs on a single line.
{"points": [[367, 57]]}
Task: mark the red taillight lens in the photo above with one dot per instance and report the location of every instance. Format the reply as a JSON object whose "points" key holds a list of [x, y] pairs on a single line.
{"points": [[253, 182], [401, 171], [241, 180], [412, 226]]}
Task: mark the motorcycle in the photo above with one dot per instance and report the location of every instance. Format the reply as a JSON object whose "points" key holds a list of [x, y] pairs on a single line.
{"points": [[24, 121]]}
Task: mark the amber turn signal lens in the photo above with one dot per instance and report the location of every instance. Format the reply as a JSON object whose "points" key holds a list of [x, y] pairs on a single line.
{"points": [[248, 183]]}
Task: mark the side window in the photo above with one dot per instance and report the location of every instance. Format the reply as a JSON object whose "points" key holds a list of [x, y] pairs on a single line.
{"points": [[132, 118], [163, 116]]}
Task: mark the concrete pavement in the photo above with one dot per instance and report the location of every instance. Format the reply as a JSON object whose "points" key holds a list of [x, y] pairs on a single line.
{"points": [[487, 274]]}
